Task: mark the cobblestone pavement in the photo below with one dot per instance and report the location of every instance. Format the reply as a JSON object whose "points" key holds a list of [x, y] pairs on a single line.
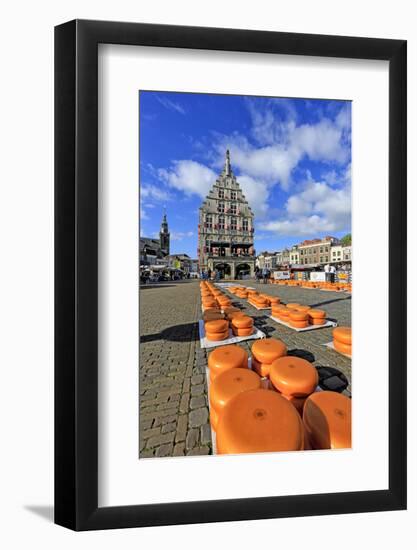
{"points": [[174, 414]]}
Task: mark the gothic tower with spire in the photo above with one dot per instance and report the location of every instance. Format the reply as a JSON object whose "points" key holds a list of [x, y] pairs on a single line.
{"points": [[164, 235], [226, 228]]}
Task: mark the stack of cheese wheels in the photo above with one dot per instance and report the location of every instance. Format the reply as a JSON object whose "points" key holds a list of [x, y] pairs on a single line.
{"points": [[293, 306], [327, 419], [228, 384], [264, 353], [216, 330], [298, 319], [226, 357], [259, 421], [266, 298], [295, 378], [317, 316], [230, 309], [342, 340], [303, 308], [259, 301], [274, 300], [283, 313], [224, 301], [242, 325]]}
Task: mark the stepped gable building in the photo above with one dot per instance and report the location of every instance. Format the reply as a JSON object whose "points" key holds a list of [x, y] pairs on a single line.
{"points": [[226, 229]]}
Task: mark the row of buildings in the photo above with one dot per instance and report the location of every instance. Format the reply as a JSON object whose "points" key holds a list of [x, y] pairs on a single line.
{"points": [[309, 253]]}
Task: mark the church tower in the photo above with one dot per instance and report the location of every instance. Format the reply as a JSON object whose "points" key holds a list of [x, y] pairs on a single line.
{"points": [[164, 235]]}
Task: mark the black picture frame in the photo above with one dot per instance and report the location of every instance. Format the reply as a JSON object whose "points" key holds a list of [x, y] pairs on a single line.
{"points": [[76, 272]]}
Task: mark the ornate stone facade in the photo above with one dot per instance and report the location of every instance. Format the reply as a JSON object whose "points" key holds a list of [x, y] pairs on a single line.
{"points": [[226, 229]]}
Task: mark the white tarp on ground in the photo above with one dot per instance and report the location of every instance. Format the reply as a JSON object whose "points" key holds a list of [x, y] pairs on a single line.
{"points": [[310, 327], [208, 344]]}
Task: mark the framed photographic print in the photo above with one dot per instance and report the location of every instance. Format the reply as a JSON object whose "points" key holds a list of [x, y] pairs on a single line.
{"points": [[230, 275]]}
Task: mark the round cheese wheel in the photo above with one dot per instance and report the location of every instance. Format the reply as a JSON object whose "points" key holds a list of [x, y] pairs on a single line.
{"points": [[258, 421], [293, 306], [218, 325], [242, 321], [284, 313], [231, 309], [343, 334], [293, 376], [212, 315], [298, 315], [227, 357], [297, 402], [230, 383], [342, 348], [298, 324], [217, 336], [303, 308], [242, 331], [327, 416], [317, 313], [268, 349], [317, 321], [274, 300]]}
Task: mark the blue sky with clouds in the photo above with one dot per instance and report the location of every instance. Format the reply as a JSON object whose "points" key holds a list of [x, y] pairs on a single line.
{"points": [[292, 158]]}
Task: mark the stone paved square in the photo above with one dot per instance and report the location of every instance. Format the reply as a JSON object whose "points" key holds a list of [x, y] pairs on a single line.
{"points": [[173, 401]]}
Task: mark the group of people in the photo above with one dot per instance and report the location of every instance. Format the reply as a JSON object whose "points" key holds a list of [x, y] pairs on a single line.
{"points": [[263, 275], [210, 275], [330, 271]]}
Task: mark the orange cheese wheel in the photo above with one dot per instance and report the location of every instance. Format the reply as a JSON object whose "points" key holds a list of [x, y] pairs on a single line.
{"points": [[212, 315], [298, 324], [258, 421], [242, 321], [214, 418], [218, 325], [268, 349], [317, 321], [327, 416], [293, 376], [274, 300], [284, 313], [292, 306], [231, 309], [342, 348], [225, 358], [298, 315], [242, 331], [317, 313], [343, 334], [261, 368], [230, 383], [235, 314], [304, 308], [217, 336]]}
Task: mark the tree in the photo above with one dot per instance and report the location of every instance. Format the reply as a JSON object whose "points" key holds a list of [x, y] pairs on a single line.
{"points": [[346, 240]]}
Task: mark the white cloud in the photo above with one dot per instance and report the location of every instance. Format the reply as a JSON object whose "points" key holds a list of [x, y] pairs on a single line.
{"points": [[171, 105], [256, 192], [318, 208], [179, 236], [152, 192], [143, 214], [189, 176]]}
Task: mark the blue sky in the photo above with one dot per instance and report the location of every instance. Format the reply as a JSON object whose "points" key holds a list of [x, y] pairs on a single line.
{"points": [[292, 158]]}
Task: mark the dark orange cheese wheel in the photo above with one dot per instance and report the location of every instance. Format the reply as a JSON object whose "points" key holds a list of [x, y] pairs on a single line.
{"points": [[298, 315], [342, 348], [218, 325], [274, 300], [258, 421], [268, 349], [298, 324], [317, 321], [226, 357], [293, 376], [327, 416], [343, 334], [242, 321], [217, 336], [317, 313], [292, 306], [242, 331], [230, 383]]}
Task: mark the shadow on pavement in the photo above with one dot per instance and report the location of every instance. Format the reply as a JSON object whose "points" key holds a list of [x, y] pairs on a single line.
{"points": [[332, 379], [178, 333], [331, 301], [302, 354]]}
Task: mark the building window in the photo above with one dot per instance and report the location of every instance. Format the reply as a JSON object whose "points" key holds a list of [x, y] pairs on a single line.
{"points": [[233, 209], [233, 195], [221, 193], [209, 222], [245, 225], [221, 222], [233, 224], [321, 249], [220, 207]]}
